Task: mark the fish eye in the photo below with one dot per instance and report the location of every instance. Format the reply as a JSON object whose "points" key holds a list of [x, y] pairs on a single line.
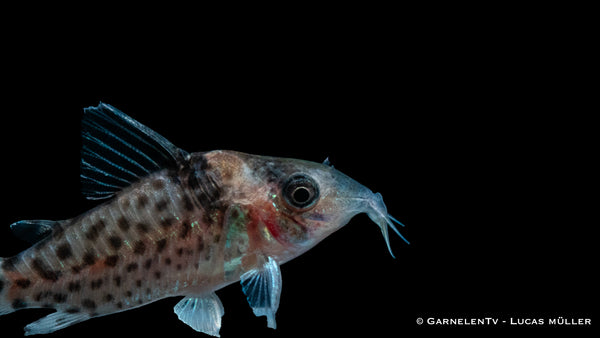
{"points": [[300, 191]]}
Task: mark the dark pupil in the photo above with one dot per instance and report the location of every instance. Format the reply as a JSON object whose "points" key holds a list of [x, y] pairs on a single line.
{"points": [[301, 195], [300, 191]]}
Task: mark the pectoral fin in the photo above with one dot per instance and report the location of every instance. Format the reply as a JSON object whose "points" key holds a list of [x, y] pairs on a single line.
{"points": [[202, 314], [262, 287]]}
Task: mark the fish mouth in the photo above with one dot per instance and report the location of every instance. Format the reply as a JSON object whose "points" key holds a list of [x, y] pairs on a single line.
{"points": [[377, 212]]}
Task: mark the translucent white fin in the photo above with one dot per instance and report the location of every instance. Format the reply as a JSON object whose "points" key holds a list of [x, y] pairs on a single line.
{"points": [[262, 287], [5, 309], [202, 314], [55, 321]]}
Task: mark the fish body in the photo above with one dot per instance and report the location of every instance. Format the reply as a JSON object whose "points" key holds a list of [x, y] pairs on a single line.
{"points": [[176, 224]]}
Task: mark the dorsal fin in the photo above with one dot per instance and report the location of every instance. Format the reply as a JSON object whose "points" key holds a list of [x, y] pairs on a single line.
{"points": [[32, 231], [118, 150]]}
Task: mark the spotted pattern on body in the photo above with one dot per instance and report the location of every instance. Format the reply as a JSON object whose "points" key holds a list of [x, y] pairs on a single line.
{"points": [[134, 252]]}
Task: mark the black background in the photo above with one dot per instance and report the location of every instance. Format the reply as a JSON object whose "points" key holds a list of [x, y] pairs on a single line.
{"points": [[471, 132]]}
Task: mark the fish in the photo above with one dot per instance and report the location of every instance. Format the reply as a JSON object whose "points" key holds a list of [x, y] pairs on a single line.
{"points": [[172, 223]]}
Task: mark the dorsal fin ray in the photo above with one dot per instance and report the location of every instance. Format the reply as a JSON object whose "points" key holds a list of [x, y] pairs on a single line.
{"points": [[118, 150]]}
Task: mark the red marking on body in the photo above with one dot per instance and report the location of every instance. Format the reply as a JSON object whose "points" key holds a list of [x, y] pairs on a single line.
{"points": [[273, 228], [269, 217]]}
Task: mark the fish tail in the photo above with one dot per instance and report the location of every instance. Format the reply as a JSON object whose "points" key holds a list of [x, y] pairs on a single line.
{"points": [[5, 306]]}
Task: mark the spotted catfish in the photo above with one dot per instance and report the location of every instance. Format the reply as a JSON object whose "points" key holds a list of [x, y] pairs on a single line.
{"points": [[176, 224]]}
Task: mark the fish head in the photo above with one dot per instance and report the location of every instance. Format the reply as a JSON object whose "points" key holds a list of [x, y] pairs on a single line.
{"points": [[304, 202]]}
